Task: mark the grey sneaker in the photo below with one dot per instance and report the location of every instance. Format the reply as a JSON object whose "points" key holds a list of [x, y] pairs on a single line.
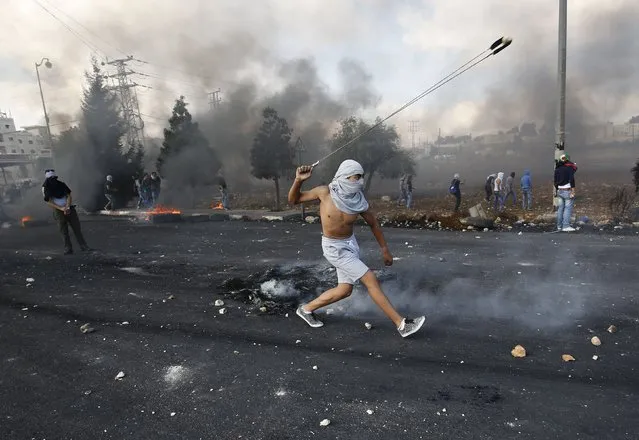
{"points": [[568, 229], [310, 318], [410, 326]]}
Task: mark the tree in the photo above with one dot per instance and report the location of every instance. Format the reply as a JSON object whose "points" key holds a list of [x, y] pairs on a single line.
{"points": [[634, 120], [271, 153], [635, 176], [186, 159], [378, 151], [88, 153]]}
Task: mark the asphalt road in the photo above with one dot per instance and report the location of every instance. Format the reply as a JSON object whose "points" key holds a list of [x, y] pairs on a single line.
{"points": [[193, 373]]}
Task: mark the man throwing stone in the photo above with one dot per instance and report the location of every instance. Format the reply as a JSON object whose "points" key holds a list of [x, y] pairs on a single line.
{"points": [[341, 202]]}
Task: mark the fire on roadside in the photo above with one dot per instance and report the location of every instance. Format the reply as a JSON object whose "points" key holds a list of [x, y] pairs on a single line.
{"points": [[161, 209], [216, 206], [24, 220]]}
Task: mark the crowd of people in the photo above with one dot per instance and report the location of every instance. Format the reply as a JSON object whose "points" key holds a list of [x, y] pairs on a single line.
{"points": [[500, 189]]}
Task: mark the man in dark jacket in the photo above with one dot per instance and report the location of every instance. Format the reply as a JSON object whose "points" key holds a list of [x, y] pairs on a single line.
{"points": [[156, 186], [455, 190], [58, 196], [565, 192]]}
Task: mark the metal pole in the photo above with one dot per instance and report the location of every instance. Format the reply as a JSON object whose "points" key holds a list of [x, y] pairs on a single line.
{"points": [[44, 107], [560, 141]]}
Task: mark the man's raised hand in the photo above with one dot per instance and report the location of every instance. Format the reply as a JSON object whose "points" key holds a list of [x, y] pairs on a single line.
{"points": [[304, 172]]}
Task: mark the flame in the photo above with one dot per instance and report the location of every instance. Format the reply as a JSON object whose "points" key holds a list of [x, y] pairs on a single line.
{"points": [[25, 219], [161, 209], [216, 206]]}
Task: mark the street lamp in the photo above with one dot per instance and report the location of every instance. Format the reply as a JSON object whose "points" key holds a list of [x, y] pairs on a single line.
{"points": [[48, 65]]}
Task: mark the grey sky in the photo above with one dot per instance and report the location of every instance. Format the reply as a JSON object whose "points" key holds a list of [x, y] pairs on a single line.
{"points": [[404, 46]]}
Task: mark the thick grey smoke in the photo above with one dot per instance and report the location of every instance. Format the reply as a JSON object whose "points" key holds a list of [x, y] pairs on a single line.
{"points": [[305, 101]]}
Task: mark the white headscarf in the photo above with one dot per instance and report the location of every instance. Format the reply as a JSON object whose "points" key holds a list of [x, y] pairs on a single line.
{"points": [[49, 173], [347, 195]]}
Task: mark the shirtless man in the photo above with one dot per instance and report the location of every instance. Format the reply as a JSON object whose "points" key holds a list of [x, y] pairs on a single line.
{"points": [[341, 202]]}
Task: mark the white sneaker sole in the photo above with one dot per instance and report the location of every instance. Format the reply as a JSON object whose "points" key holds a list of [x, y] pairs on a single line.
{"points": [[299, 313], [420, 323]]}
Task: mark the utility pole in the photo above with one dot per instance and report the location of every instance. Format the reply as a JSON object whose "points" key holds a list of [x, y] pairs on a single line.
{"points": [[215, 100], [128, 96], [413, 127], [48, 65], [560, 142]]}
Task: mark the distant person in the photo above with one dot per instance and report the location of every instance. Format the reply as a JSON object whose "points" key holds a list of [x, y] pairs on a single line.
{"points": [[409, 191], [565, 192], [526, 191], [137, 189], [455, 190], [109, 193], [146, 188], [498, 188], [58, 196], [156, 186], [490, 183], [509, 189], [402, 191], [224, 192]]}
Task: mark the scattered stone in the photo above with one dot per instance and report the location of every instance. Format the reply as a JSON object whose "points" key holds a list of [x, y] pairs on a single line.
{"points": [[520, 233], [172, 414], [595, 341], [48, 258], [86, 328], [330, 311], [485, 229], [368, 325], [612, 329], [171, 297], [442, 259], [369, 412], [325, 422], [314, 367], [518, 351], [567, 358], [595, 357], [30, 280], [120, 375], [311, 219], [298, 341], [263, 309], [222, 311], [470, 228], [87, 392], [219, 303]]}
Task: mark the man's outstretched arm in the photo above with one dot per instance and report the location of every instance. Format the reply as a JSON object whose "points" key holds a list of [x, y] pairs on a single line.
{"points": [[376, 229]]}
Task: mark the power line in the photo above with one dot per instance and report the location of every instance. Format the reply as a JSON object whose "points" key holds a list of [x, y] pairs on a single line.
{"points": [[93, 48], [85, 28]]}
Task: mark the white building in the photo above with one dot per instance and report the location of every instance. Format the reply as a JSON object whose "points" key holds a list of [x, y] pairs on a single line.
{"points": [[31, 140]]}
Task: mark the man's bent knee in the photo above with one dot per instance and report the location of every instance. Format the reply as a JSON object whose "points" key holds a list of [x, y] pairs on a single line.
{"points": [[345, 290]]}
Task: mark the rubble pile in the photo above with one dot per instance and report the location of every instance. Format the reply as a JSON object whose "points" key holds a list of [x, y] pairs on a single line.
{"points": [[279, 289]]}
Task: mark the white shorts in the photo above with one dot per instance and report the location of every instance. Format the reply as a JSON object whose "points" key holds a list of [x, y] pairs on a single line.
{"points": [[344, 255]]}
